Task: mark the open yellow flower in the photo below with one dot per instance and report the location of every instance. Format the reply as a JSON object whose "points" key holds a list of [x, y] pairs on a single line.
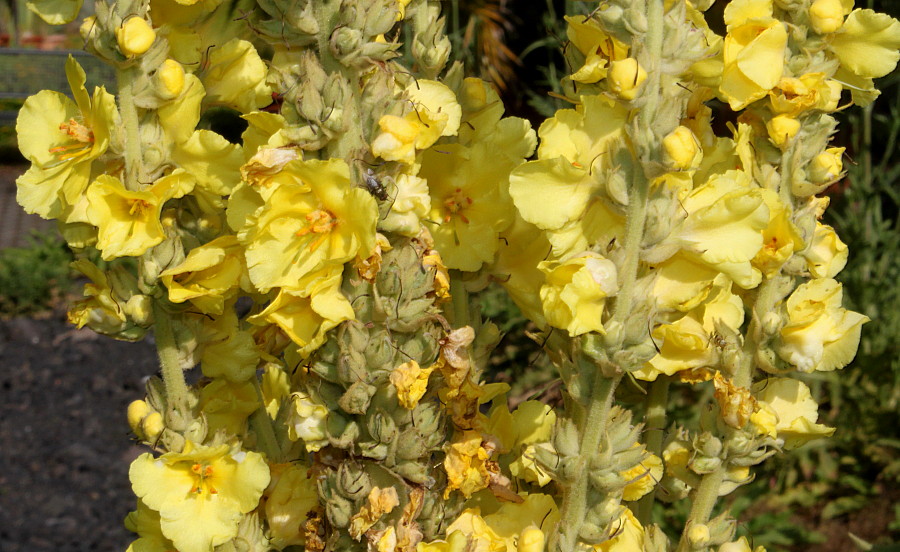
{"points": [[235, 76], [322, 220], [753, 52], [200, 493], [560, 192], [128, 221], [210, 274], [434, 113], [290, 497], [62, 138], [819, 333], [575, 292], [307, 312], [788, 412]]}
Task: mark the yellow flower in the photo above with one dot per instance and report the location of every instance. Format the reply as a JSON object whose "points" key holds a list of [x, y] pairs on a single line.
{"points": [[819, 333], [723, 230], [410, 206], [753, 52], [466, 464], [686, 343], [522, 246], [308, 225], [575, 292], [146, 523], [561, 193], [781, 238], [470, 202], [826, 16], [135, 36], [597, 47], [103, 310], [378, 503], [642, 477], [867, 44], [306, 421], [307, 312], [740, 545], [227, 405], [411, 382], [824, 170], [235, 76], [629, 535], [200, 493], [128, 221], [61, 139], [827, 254], [290, 496], [793, 95], [209, 275], [434, 113], [788, 412], [736, 405]]}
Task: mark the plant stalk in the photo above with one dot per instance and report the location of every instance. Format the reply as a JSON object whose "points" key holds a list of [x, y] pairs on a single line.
{"points": [[172, 374], [657, 401], [134, 170]]}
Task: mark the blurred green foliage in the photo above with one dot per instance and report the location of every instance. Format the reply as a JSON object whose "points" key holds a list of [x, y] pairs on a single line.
{"points": [[33, 278]]}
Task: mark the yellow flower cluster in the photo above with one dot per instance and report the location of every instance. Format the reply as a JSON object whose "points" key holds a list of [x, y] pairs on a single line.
{"points": [[318, 268]]}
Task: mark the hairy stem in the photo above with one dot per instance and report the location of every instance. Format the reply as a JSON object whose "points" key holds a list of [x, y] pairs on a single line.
{"points": [[172, 374], [128, 112], [657, 401]]}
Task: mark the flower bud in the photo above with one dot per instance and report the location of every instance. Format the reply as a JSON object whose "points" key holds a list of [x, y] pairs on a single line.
{"points": [[137, 411], [135, 36], [152, 425], [170, 79], [531, 540], [88, 27], [698, 534], [681, 149], [625, 78], [781, 129], [826, 16], [826, 167]]}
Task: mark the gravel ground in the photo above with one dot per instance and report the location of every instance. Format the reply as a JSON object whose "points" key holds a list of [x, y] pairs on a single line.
{"points": [[64, 440]]}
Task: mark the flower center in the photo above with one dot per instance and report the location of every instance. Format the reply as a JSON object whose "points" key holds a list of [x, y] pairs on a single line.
{"points": [[455, 204], [202, 474], [138, 207], [320, 222], [83, 136]]}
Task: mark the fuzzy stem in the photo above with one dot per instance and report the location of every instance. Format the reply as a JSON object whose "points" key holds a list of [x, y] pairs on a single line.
{"points": [[705, 498], [657, 401], [128, 111], [459, 297], [575, 501], [172, 374]]}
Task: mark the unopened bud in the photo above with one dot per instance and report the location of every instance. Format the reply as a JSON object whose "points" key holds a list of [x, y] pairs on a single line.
{"points": [[781, 129], [137, 411], [625, 78], [170, 79], [826, 16], [698, 534], [531, 540], [682, 150], [826, 166], [135, 36], [140, 309], [153, 425]]}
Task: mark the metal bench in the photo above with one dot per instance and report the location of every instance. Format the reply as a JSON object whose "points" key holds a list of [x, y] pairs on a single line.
{"points": [[25, 72]]}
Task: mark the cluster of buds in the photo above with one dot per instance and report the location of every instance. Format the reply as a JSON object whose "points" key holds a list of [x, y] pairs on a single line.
{"points": [[319, 270]]}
